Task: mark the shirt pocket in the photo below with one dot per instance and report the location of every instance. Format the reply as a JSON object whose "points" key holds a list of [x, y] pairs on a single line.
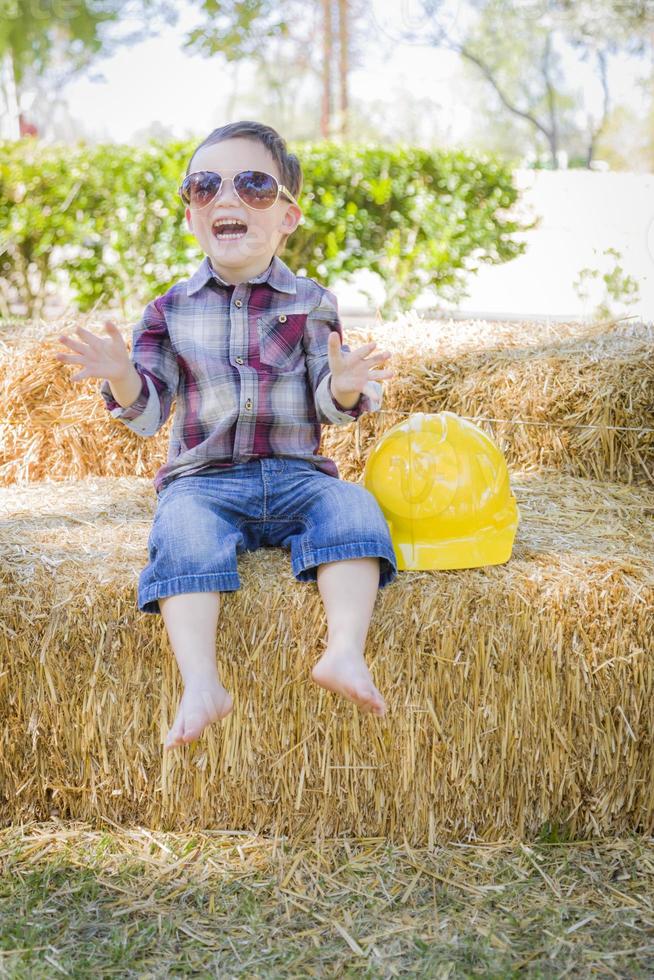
{"points": [[280, 340]]}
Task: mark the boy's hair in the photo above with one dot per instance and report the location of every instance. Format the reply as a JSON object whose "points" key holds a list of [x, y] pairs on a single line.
{"points": [[289, 165]]}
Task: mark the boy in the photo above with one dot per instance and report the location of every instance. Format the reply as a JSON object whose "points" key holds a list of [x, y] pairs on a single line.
{"points": [[252, 354]]}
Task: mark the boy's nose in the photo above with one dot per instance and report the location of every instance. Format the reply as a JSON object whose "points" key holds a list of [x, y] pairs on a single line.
{"points": [[226, 190]]}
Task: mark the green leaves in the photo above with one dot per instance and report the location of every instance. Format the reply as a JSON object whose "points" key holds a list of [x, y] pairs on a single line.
{"points": [[413, 216], [107, 222]]}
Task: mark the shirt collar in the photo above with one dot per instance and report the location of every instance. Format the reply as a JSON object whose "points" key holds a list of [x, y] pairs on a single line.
{"points": [[278, 275]]}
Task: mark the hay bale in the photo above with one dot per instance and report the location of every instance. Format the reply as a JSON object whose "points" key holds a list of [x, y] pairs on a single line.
{"points": [[554, 376], [517, 694], [560, 390]]}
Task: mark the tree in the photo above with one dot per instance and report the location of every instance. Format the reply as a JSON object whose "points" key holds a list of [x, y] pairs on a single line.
{"points": [[517, 49], [306, 35], [343, 63], [69, 34]]}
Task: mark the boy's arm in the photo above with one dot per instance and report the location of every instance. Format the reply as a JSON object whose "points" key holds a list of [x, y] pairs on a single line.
{"points": [[320, 322], [156, 364]]}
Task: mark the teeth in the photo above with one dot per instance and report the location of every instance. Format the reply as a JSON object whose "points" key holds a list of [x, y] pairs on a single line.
{"points": [[227, 236], [231, 221]]}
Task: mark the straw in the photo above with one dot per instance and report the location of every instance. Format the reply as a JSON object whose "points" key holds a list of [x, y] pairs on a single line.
{"points": [[571, 398], [516, 694]]}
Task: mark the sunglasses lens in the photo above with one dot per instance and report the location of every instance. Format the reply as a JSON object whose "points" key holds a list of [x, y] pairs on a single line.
{"points": [[256, 189], [199, 189]]}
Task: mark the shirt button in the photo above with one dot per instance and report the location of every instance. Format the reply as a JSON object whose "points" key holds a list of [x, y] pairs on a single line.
{"points": [[239, 360], [248, 403], [238, 302], [282, 318]]}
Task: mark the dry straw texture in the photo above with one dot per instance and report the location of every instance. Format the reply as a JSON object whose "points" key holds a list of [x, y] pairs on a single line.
{"points": [[517, 694], [569, 375], [130, 903]]}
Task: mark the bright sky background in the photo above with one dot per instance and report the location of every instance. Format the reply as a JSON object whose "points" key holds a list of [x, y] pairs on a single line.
{"points": [[156, 81]]}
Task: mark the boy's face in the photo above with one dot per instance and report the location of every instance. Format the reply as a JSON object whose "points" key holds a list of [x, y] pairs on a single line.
{"points": [[239, 259]]}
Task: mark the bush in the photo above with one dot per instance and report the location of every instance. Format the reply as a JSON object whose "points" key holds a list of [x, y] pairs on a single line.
{"points": [[106, 220]]}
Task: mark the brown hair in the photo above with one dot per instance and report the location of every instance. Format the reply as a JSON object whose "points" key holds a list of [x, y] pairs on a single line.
{"points": [[289, 165]]}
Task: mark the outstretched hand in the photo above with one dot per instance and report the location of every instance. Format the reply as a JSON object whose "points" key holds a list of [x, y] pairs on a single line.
{"points": [[100, 357], [351, 370]]}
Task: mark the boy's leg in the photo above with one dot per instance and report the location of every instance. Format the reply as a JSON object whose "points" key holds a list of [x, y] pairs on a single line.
{"points": [[348, 589], [191, 621]]}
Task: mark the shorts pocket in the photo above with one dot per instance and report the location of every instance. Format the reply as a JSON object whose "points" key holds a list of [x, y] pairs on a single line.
{"points": [[280, 340]]}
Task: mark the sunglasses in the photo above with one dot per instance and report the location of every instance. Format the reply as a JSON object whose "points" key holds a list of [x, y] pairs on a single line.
{"points": [[257, 190]]}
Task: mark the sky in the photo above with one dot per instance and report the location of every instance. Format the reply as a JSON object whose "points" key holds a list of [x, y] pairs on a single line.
{"points": [[152, 81], [155, 81]]}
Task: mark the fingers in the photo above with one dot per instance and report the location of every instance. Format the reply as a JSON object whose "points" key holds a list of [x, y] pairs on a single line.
{"points": [[362, 352], [89, 337], [74, 344], [69, 358], [374, 358], [77, 344]]}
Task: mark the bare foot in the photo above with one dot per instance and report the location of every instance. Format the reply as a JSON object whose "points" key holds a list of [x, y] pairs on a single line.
{"points": [[343, 671], [202, 703]]}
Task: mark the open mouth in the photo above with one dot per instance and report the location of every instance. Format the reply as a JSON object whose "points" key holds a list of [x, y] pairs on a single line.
{"points": [[224, 231]]}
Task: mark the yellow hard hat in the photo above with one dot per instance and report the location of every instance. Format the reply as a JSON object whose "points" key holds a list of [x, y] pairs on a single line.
{"points": [[443, 486]]}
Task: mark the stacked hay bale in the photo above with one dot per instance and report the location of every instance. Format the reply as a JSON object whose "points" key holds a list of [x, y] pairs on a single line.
{"points": [[517, 695], [560, 387]]}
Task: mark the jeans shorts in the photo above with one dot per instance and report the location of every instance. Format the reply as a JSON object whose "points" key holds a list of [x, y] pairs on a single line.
{"points": [[203, 522]]}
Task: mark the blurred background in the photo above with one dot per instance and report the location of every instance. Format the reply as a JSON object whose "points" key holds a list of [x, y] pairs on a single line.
{"points": [[561, 92]]}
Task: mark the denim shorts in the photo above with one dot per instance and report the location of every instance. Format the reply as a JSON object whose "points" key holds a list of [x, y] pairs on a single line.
{"points": [[203, 522]]}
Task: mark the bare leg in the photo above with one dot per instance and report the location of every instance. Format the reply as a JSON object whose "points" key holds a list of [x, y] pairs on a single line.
{"points": [[348, 589], [191, 620]]}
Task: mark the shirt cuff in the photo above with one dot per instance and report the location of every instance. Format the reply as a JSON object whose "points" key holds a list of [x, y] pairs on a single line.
{"points": [[333, 411], [142, 416], [343, 408], [130, 411]]}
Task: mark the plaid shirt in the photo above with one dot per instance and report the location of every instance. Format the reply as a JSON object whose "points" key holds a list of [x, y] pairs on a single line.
{"points": [[248, 367]]}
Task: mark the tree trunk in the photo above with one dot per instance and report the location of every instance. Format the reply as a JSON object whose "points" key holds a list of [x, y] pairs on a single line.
{"points": [[343, 65], [553, 135], [596, 131], [9, 122], [325, 116]]}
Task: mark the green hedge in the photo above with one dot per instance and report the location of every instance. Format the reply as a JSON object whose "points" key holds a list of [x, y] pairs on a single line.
{"points": [[106, 220]]}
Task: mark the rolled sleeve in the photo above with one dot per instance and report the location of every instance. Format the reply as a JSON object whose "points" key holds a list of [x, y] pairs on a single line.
{"points": [[156, 363], [320, 322]]}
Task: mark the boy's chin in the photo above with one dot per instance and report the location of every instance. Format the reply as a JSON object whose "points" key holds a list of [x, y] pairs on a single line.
{"points": [[234, 266], [235, 253]]}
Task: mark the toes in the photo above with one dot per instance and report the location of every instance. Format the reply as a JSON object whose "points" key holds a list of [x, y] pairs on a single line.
{"points": [[174, 737], [173, 741], [368, 699], [193, 727], [360, 690], [373, 701]]}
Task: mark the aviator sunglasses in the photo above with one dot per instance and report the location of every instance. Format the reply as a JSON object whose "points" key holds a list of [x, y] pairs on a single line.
{"points": [[257, 190]]}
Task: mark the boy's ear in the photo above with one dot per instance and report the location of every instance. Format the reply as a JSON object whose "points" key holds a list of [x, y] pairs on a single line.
{"points": [[291, 219], [187, 212]]}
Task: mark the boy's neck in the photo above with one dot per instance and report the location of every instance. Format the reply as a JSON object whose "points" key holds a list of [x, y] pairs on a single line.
{"points": [[234, 277]]}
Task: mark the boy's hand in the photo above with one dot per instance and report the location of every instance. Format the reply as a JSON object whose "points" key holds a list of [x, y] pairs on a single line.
{"points": [[101, 358], [351, 370]]}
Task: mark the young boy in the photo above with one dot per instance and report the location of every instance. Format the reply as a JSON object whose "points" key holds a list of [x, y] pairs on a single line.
{"points": [[253, 356]]}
